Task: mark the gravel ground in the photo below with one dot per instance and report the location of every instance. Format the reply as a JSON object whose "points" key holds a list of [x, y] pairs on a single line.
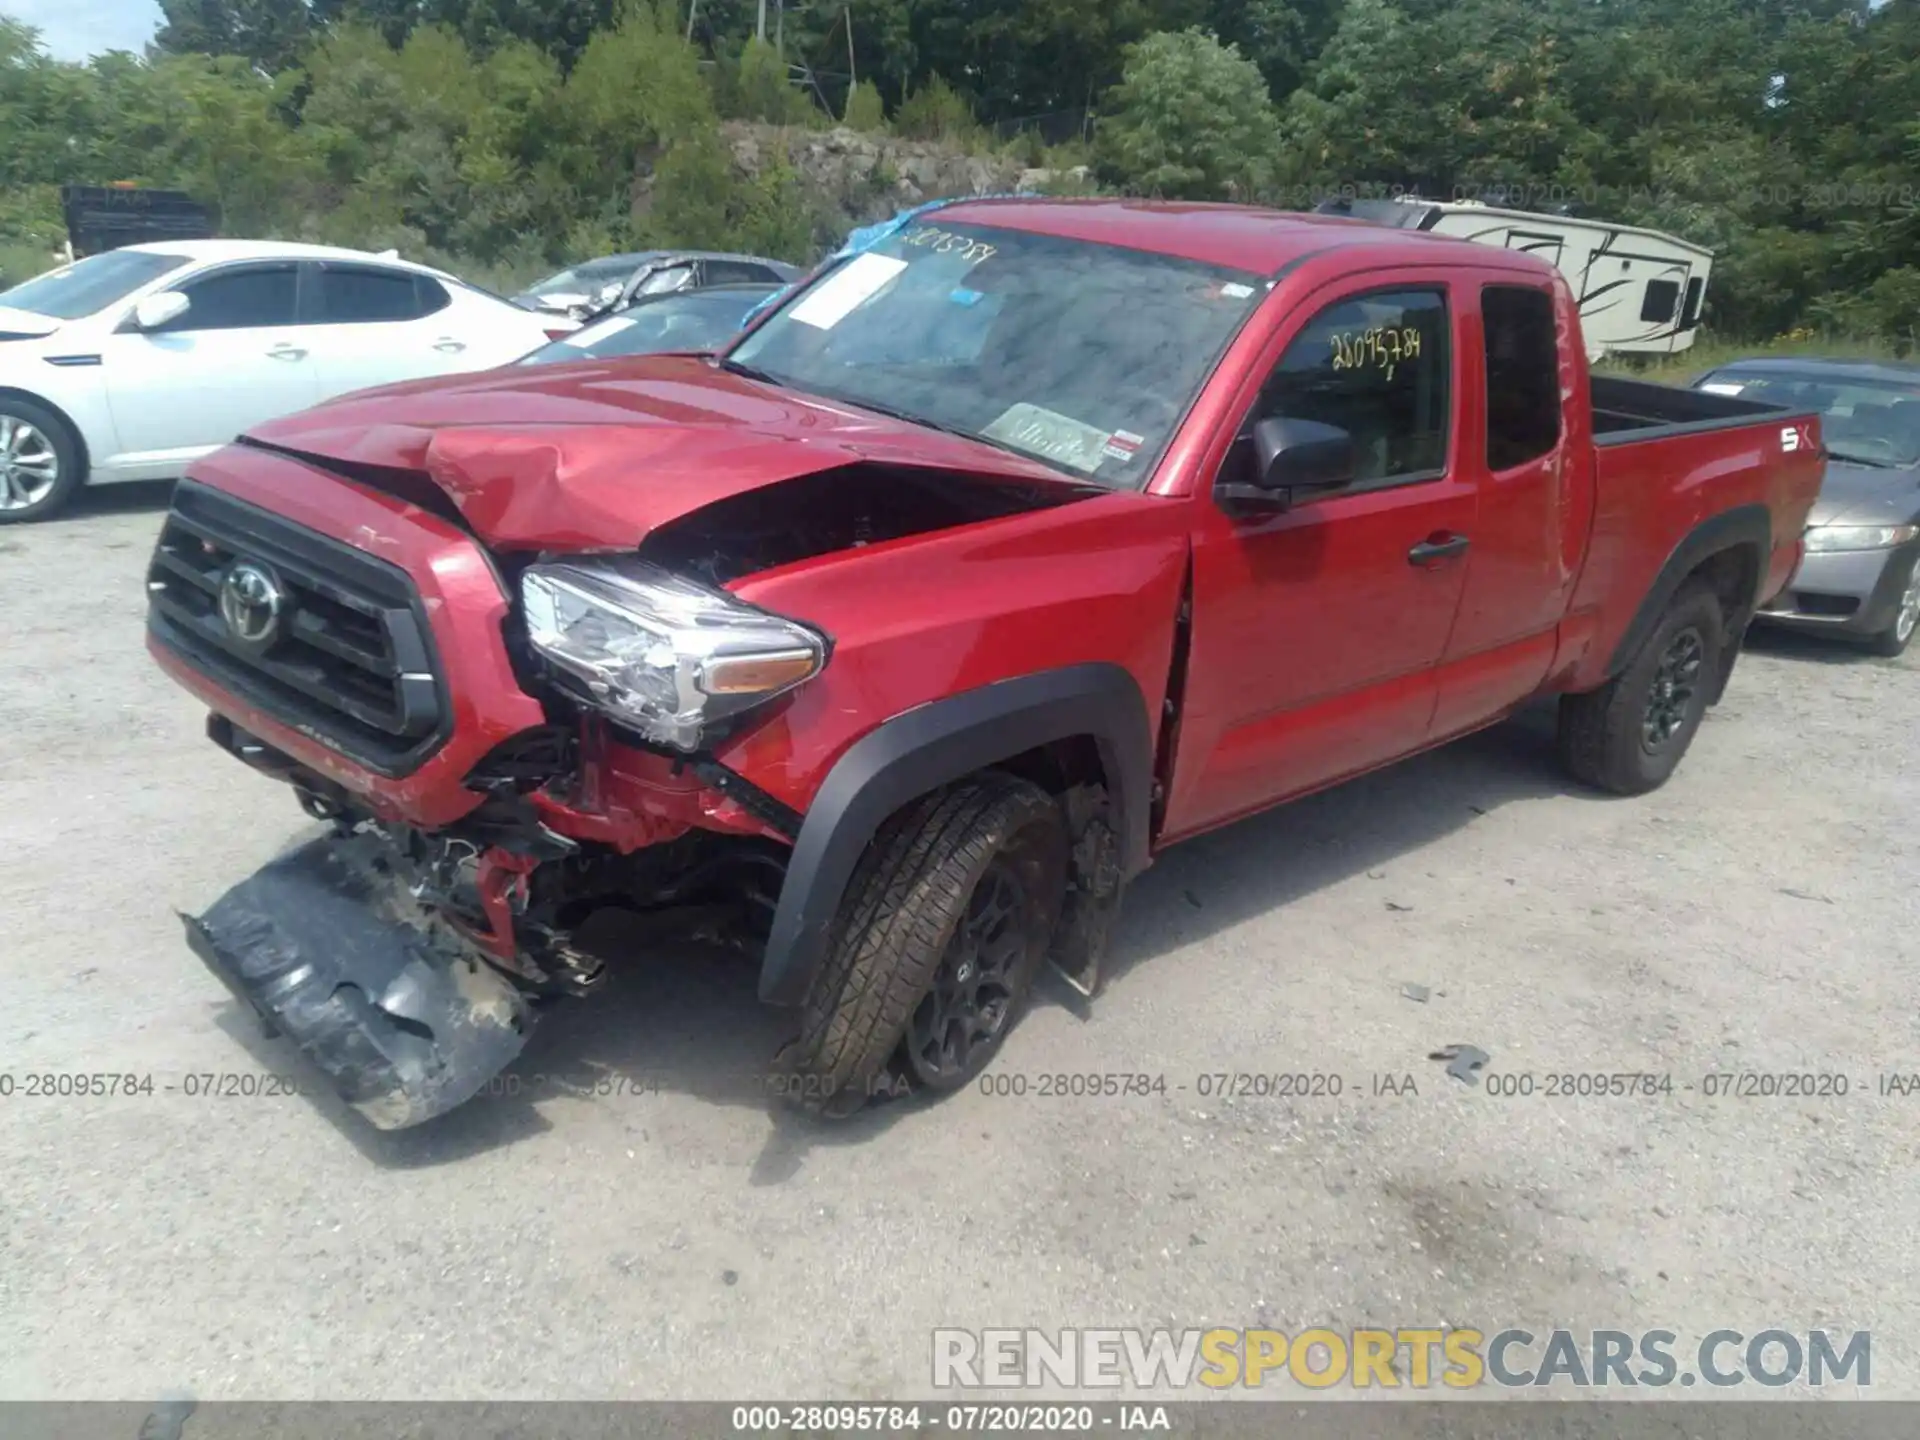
{"points": [[1756, 914]]}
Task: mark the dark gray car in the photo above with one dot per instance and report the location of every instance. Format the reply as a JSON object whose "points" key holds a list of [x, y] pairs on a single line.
{"points": [[1860, 576], [596, 286], [686, 321]]}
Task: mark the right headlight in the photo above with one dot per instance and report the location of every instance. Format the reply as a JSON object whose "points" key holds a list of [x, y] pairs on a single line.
{"points": [[657, 652], [1825, 538]]}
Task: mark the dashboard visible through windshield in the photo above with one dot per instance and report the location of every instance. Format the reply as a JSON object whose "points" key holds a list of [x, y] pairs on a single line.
{"points": [[91, 284], [1081, 355]]}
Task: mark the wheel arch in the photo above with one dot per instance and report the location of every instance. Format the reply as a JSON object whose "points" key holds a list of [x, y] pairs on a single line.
{"points": [[74, 432], [1058, 728], [1728, 551]]}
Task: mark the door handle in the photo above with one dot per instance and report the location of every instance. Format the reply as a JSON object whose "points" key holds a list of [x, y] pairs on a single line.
{"points": [[286, 352], [1437, 547], [449, 346]]}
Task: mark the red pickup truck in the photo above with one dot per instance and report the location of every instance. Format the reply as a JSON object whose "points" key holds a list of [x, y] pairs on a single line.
{"points": [[1032, 538]]}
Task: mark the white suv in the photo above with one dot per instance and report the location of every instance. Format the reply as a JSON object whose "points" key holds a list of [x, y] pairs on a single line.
{"points": [[129, 364]]}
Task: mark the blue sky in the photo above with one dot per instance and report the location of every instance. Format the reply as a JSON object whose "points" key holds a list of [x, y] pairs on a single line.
{"points": [[75, 29]]}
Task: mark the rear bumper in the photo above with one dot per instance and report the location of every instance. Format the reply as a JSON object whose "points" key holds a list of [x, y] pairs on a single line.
{"points": [[1850, 592], [402, 1023]]}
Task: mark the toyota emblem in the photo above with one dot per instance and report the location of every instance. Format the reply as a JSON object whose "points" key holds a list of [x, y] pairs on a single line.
{"points": [[251, 602]]}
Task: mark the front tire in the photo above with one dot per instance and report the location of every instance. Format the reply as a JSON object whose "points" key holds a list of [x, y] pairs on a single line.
{"points": [[1893, 640], [941, 932], [40, 465], [1630, 734]]}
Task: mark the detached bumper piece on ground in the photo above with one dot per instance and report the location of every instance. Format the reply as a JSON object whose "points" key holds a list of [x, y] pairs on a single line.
{"points": [[402, 1023]]}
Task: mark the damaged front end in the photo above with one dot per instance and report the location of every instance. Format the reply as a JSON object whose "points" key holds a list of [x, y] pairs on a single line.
{"points": [[514, 711], [331, 947], [409, 965]]}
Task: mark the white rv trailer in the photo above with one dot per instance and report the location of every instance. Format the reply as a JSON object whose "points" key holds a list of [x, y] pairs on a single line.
{"points": [[1640, 291]]}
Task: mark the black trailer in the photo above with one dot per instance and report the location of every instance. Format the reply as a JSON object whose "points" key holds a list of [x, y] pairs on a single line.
{"points": [[105, 217]]}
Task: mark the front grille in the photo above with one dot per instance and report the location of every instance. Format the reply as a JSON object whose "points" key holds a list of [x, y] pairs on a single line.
{"points": [[347, 660]]}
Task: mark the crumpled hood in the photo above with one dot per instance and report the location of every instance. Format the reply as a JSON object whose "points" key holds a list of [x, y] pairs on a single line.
{"points": [[1865, 495], [594, 455]]}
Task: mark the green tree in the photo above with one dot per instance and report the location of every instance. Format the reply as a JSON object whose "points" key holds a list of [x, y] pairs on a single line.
{"points": [[865, 109], [267, 33], [936, 111], [756, 87], [1189, 119]]}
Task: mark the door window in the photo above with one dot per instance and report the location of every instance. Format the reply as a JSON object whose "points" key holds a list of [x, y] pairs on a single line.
{"points": [[674, 277], [363, 295], [253, 298], [1376, 366], [1523, 374], [738, 272]]}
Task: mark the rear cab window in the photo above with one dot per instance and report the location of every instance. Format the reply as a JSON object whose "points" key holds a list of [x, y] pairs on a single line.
{"points": [[1521, 348]]}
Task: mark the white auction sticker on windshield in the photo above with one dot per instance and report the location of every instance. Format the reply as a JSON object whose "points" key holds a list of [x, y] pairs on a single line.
{"points": [[1051, 435], [837, 296], [1722, 387], [593, 334]]}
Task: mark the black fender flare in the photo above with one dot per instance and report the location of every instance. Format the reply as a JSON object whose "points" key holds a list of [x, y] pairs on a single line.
{"points": [[1729, 530], [933, 745]]}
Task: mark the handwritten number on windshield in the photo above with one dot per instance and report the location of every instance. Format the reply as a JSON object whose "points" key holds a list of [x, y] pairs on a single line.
{"points": [[1383, 347], [946, 242]]}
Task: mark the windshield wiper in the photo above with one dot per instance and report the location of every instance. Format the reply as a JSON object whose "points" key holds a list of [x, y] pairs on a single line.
{"points": [[751, 372]]}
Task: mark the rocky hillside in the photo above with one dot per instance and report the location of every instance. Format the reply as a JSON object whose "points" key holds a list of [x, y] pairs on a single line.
{"points": [[856, 177]]}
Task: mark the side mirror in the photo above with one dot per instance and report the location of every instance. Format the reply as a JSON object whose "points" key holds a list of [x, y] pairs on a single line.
{"points": [[1294, 460], [157, 310]]}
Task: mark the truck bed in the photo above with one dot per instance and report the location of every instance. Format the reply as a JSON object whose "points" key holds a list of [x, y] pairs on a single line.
{"points": [[1628, 411], [1668, 460]]}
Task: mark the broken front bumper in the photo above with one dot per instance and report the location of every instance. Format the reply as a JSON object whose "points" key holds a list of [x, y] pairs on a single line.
{"points": [[327, 947]]}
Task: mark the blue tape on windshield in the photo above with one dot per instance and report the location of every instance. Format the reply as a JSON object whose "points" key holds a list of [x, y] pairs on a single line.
{"points": [[765, 303], [868, 236]]}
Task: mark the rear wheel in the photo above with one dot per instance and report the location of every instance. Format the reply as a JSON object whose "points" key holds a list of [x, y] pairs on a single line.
{"points": [[1894, 639], [39, 461], [941, 932], [1628, 735]]}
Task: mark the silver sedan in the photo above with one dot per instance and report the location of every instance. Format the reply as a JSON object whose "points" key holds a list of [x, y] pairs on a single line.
{"points": [[1860, 576]]}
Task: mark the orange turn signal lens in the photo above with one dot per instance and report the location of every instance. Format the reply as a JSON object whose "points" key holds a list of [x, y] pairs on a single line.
{"points": [[757, 674]]}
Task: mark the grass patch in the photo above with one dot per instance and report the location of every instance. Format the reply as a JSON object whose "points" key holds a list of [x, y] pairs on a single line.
{"points": [[1710, 352]]}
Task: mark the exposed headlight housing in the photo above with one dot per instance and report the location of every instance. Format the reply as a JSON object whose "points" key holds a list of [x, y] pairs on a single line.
{"points": [[1822, 539], [662, 655]]}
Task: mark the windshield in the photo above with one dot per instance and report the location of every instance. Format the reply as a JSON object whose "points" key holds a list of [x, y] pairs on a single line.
{"points": [[90, 284], [1084, 356], [698, 320], [585, 279], [1867, 423]]}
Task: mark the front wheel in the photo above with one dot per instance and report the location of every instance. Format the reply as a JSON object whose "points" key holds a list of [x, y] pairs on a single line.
{"points": [[943, 928], [40, 464], [1628, 735], [1893, 640]]}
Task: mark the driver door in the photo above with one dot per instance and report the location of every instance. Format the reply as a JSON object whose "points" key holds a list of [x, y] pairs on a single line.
{"points": [[1317, 632], [235, 358]]}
